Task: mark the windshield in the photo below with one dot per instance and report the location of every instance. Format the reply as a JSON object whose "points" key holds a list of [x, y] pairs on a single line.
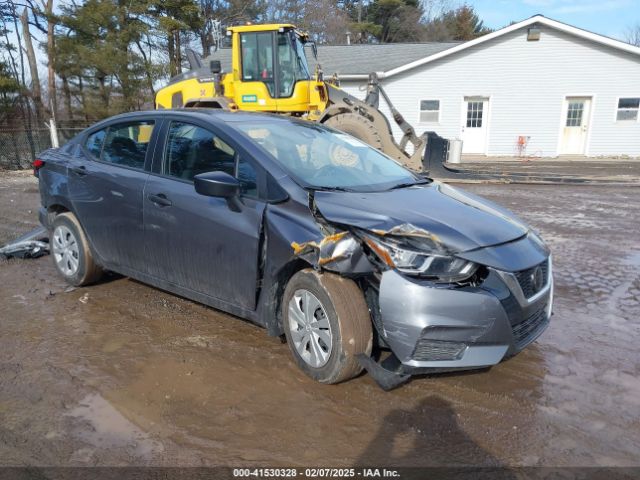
{"points": [[320, 158]]}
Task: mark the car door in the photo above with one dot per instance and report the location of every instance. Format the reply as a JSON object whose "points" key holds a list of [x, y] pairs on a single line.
{"points": [[106, 183], [205, 244]]}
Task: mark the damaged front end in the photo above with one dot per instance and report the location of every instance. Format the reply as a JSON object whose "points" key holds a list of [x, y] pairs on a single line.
{"points": [[436, 309], [368, 257], [339, 252]]}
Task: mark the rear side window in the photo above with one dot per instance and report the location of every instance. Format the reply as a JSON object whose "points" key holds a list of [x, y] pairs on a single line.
{"points": [[95, 141], [126, 144]]}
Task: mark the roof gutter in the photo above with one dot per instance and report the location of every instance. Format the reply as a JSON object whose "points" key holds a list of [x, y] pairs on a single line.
{"points": [[360, 76], [594, 37]]}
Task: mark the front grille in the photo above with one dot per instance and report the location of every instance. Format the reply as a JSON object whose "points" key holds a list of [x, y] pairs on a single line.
{"points": [[527, 330], [430, 350], [527, 279]]}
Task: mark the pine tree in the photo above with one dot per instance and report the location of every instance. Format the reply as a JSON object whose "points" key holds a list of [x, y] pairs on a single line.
{"points": [[464, 24]]}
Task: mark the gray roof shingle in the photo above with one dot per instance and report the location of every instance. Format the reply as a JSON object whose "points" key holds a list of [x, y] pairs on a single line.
{"points": [[358, 59]]}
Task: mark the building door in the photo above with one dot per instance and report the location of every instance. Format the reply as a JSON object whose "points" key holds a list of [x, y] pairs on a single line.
{"points": [[575, 127], [474, 124]]}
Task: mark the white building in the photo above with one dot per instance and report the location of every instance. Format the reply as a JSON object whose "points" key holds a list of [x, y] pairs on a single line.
{"points": [[538, 87]]}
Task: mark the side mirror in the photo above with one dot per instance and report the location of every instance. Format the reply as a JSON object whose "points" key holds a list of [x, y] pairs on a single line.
{"points": [[216, 184]]}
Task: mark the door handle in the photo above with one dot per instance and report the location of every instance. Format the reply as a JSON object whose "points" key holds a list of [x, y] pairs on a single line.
{"points": [[160, 199], [81, 171]]}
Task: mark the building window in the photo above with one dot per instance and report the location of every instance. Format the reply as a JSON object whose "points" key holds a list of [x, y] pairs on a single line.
{"points": [[574, 114], [474, 114], [429, 111], [628, 109]]}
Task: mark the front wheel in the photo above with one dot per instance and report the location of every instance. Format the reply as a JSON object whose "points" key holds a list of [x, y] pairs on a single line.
{"points": [[327, 323]]}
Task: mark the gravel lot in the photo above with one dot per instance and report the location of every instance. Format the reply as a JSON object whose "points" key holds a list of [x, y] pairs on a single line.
{"points": [[120, 373]]}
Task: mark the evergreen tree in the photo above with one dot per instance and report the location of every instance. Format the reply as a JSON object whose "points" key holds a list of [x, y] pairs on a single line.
{"points": [[9, 89], [463, 24]]}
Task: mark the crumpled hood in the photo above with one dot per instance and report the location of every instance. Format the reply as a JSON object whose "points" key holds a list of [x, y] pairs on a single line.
{"points": [[459, 220]]}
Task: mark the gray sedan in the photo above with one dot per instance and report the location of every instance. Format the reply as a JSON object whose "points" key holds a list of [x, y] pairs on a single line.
{"points": [[306, 231]]}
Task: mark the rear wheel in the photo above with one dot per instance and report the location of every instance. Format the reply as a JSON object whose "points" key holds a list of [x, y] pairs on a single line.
{"points": [[327, 324], [357, 126], [71, 254]]}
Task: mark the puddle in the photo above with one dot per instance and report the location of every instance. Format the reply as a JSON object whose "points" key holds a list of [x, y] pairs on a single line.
{"points": [[103, 427]]}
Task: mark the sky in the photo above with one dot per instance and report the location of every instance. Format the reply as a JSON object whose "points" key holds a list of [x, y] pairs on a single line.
{"points": [[606, 17]]}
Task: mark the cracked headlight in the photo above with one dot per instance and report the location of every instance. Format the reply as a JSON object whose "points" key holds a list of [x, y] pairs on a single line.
{"points": [[419, 256]]}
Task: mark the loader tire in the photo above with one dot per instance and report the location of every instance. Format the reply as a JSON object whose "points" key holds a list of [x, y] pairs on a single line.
{"points": [[356, 126]]}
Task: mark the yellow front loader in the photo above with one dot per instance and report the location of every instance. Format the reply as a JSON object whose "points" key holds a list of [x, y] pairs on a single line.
{"points": [[270, 73]]}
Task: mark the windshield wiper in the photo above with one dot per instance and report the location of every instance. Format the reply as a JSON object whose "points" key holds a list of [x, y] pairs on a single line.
{"points": [[331, 189], [410, 184]]}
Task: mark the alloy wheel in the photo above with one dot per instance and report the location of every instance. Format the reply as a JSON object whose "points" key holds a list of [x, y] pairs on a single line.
{"points": [[310, 328], [65, 250]]}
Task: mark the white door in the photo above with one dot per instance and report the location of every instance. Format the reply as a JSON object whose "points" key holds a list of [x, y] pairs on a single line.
{"points": [[475, 118], [575, 126]]}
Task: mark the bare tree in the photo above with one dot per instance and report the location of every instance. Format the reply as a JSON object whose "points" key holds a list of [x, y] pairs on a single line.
{"points": [[48, 10], [33, 65], [43, 19], [322, 19], [435, 8], [632, 35]]}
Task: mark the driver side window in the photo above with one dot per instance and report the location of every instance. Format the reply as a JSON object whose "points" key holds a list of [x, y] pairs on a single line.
{"points": [[192, 150]]}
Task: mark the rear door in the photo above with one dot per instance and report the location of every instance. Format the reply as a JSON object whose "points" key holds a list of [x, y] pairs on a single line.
{"points": [[205, 244], [106, 182]]}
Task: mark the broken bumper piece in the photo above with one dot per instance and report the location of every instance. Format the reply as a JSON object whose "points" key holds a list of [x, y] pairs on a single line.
{"points": [[390, 373], [30, 245]]}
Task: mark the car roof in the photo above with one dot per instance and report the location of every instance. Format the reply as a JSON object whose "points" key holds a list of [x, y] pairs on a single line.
{"points": [[214, 114]]}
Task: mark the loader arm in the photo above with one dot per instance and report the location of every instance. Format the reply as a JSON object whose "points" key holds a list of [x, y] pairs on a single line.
{"points": [[364, 120]]}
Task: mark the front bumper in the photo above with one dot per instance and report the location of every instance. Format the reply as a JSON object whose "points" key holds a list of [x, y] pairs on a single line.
{"points": [[428, 326]]}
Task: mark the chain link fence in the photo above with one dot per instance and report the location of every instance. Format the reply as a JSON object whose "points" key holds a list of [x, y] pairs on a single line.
{"points": [[19, 147]]}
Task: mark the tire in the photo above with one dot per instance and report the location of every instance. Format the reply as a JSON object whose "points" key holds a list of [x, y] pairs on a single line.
{"points": [[349, 325], [357, 126], [71, 253]]}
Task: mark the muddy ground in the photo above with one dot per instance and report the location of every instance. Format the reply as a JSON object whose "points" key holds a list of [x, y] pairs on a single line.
{"points": [[120, 373]]}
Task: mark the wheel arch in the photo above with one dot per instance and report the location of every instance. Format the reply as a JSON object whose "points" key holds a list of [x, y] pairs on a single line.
{"points": [[59, 206], [55, 207], [272, 293]]}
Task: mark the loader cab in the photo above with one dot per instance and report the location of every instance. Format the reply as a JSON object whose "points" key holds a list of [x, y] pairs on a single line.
{"points": [[270, 68]]}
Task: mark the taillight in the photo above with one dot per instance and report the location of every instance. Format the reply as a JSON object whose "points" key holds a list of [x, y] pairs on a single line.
{"points": [[37, 165]]}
